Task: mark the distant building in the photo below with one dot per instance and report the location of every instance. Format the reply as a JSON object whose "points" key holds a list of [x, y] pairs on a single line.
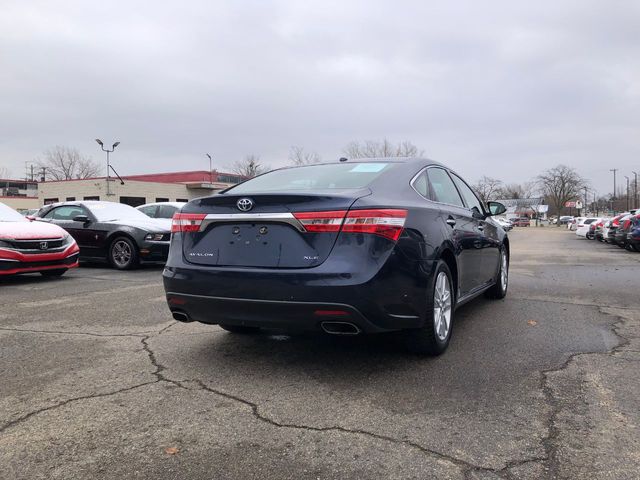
{"points": [[19, 194], [525, 207], [138, 189]]}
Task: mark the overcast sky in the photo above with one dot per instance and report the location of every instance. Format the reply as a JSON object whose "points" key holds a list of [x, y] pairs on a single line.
{"points": [[505, 89]]}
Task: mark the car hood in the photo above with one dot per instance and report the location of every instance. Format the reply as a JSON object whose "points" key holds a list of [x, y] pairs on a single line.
{"points": [[151, 224], [29, 231]]}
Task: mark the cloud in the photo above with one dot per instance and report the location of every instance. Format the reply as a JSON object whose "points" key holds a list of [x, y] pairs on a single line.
{"points": [[499, 88]]}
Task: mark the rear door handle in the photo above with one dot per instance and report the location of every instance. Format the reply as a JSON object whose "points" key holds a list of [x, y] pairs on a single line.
{"points": [[451, 222]]}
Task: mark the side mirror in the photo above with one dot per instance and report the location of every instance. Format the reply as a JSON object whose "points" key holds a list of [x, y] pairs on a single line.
{"points": [[81, 219], [31, 218], [496, 208]]}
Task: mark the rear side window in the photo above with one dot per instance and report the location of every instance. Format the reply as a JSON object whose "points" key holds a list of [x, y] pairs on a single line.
{"points": [[315, 177], [150, 210], [166, 211], [469, 197], [421, 185], [442, 187]]}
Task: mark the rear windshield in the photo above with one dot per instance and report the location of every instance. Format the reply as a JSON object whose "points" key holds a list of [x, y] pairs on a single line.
{"points": [[314, 177]]}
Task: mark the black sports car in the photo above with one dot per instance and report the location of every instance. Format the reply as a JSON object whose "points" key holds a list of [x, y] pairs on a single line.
{"points": [[373, 245], [110, 231]]}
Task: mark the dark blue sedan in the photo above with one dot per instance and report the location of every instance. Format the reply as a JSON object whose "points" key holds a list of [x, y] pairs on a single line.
{"points": [[363, 246]]}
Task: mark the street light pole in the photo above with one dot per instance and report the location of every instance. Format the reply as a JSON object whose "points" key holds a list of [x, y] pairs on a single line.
{"points": [[636, 202], [113, 147], [210, 169]]}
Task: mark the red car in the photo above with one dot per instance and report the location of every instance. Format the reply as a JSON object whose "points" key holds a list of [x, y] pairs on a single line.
{"points": [[28, 247]]}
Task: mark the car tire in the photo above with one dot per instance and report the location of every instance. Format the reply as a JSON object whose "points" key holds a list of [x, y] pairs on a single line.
{"points": [[499, 289], [240, 329], [123, 254], [433, 338], [53, 273]]}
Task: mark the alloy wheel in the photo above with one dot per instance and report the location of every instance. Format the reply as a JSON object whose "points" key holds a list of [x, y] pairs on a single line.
{"points": [[442, 306], [504, 271], [121, 253]]}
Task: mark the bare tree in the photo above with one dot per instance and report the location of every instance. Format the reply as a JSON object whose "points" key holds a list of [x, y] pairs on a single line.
{"points": [[383, 149], [4, 172], [298, 156], [517, 190], [65, 163], [249, 166], [560, 184], [488, 188]]}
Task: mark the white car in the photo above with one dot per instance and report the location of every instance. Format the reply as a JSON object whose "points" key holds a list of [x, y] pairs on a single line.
{"points": [[163, 211], [583, 227], [504, 223], [576, 223]]}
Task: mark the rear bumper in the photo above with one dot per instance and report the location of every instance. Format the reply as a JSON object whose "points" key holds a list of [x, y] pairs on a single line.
{"points": [[389, 301], [291, 316]]}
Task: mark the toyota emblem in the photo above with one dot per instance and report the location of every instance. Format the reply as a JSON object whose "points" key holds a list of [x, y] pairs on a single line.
{"points": [[44, 245], [245, 204]]}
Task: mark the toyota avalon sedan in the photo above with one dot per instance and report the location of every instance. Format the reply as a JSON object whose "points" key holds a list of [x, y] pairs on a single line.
{"points": [[110, 231], [31, 247], [363, 246]]}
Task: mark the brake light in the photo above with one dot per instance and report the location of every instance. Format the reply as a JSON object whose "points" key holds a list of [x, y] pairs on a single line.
{"points": [[330, 221], [187, 222], [387, 223]]}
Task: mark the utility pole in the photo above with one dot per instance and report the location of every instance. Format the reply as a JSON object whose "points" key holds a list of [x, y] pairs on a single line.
{"points": [[614, 170], [627, 191], [636, 203]]}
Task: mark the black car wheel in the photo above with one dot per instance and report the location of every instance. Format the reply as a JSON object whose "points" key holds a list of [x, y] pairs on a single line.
{"points": [[53, 273], [499, 289], [433, 338], [239, 329], [123, 254]]}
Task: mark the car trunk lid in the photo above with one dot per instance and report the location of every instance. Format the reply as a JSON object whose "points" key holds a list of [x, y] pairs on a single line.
{"points": [[267, 230]]}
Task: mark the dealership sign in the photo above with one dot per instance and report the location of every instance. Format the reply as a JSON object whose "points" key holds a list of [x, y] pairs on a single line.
{"points": [[576, 204]]}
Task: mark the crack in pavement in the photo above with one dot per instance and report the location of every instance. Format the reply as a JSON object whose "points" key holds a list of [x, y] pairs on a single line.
{"points": [[89, 334], [549, 442], [27, 416], [466, 466]]}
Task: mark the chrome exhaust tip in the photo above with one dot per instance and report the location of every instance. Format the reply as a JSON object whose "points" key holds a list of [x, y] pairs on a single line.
{"points": [[340, 328], [181, 316]]}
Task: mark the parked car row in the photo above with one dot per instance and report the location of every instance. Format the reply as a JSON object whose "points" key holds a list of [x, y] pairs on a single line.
{"points": [[622, 230]]}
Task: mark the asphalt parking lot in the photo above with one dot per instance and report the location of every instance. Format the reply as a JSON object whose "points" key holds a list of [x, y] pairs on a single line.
{"points": [[98, 381]]}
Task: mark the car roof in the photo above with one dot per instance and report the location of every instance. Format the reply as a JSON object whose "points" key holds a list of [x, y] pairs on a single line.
{"points": [[153, 204]]}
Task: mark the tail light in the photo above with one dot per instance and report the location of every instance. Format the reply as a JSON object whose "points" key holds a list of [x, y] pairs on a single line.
{"points": [[187, 222], [321, 221], [387, 223]]}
